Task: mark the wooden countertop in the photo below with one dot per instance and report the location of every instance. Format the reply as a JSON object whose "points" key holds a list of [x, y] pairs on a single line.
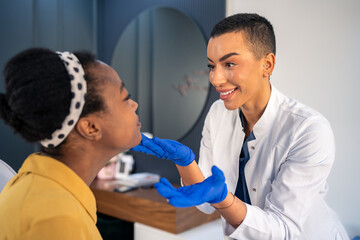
{"points": [[146, 206]]}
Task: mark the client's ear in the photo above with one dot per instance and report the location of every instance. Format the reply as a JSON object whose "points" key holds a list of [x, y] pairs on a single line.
{"points": [[89, 128]]}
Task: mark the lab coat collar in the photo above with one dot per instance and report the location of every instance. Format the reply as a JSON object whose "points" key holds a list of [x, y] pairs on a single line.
{"points": [[265, 122]]}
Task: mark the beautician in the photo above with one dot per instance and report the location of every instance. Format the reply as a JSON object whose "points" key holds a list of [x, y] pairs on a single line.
{"points": [[264, 157]]}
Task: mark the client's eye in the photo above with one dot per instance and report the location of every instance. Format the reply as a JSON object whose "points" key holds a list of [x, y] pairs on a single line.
{"points": [[127, 97]]}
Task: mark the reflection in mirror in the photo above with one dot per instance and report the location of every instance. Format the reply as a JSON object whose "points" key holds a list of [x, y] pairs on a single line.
{"points": [[161, 57]]}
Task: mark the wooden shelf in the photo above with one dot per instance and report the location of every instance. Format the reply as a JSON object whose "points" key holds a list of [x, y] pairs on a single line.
{"points": [[146, 206]]}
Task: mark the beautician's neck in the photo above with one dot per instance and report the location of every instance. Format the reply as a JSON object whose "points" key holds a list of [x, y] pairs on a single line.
{"points": [[253, 112]]}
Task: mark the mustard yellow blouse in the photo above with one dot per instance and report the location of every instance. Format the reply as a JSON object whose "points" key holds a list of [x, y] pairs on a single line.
{"points": [[47, 200]]}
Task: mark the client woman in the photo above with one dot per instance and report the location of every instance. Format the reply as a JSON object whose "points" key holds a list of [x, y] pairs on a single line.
{"points": [[78, 109]]}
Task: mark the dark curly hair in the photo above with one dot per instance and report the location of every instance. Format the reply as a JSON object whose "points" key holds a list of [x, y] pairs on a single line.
{"points": [[37, 92], [257, 30]]}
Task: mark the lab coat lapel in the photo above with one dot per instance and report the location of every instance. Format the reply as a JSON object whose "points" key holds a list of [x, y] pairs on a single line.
{"points": [[256, 166]]}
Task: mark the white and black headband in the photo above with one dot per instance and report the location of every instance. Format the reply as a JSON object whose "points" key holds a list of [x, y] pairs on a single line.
{"points": [[78, 92]]}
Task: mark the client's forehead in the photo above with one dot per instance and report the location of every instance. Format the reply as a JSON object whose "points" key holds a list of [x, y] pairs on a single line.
{"points": [[103, 72]]}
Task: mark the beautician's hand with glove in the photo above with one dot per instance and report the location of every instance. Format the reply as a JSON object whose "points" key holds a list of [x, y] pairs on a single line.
{"points": [[166, 149], [212, 190]]}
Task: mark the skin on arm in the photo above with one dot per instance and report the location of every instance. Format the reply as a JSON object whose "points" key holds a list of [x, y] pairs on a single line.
{"points": [[232, 209], [190, 174]]}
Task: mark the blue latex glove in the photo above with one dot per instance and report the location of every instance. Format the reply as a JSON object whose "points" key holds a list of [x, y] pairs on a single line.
{"points": [[166, 149], [211, 190]]}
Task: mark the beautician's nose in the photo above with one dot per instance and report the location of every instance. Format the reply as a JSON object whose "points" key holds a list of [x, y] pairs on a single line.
{"points": [[217, 77]]}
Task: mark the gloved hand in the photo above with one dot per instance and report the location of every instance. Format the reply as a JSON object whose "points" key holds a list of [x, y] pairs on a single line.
{"points": [[166, 149], [211, 190]]}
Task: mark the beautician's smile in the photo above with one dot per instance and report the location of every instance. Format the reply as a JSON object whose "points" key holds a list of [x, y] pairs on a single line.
{"points": [[226, 94]]}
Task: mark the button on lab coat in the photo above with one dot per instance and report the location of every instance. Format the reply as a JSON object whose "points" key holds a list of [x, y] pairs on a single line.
{"points": [[290, 160]]}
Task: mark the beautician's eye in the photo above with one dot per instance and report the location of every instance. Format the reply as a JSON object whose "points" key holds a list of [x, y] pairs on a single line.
{"points": [[229, 64], [211, 67]]}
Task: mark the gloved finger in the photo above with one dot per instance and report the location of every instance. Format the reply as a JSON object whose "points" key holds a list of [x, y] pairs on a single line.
{"points": [[183, 202], [148, 146], [190, 189], [166, 182], [144, 149], [141, 144], [144, 137], [217, 174], [192, 195], [165, 189], [153, 145], [179, 153], [165, 144], [139, 148]]}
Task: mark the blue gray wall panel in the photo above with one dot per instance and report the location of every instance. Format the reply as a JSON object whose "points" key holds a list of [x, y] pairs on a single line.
{"points": [[58, 25], [94, 25]]}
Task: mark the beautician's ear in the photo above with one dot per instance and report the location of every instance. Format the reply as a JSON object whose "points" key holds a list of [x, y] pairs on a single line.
{"points": [[269, 64], [88, 128]]}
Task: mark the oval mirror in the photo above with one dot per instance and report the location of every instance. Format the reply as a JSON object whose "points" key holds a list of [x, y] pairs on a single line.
{"points": [[161, 57]]}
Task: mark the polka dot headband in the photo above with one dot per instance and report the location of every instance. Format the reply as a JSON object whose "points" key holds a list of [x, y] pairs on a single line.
{"points": [[78, 91]]}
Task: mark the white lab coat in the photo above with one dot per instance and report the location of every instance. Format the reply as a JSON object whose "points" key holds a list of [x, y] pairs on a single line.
{"points": [[290, 160]]}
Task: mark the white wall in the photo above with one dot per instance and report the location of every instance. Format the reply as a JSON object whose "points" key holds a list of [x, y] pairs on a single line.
{"points": [[318, 63]]}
